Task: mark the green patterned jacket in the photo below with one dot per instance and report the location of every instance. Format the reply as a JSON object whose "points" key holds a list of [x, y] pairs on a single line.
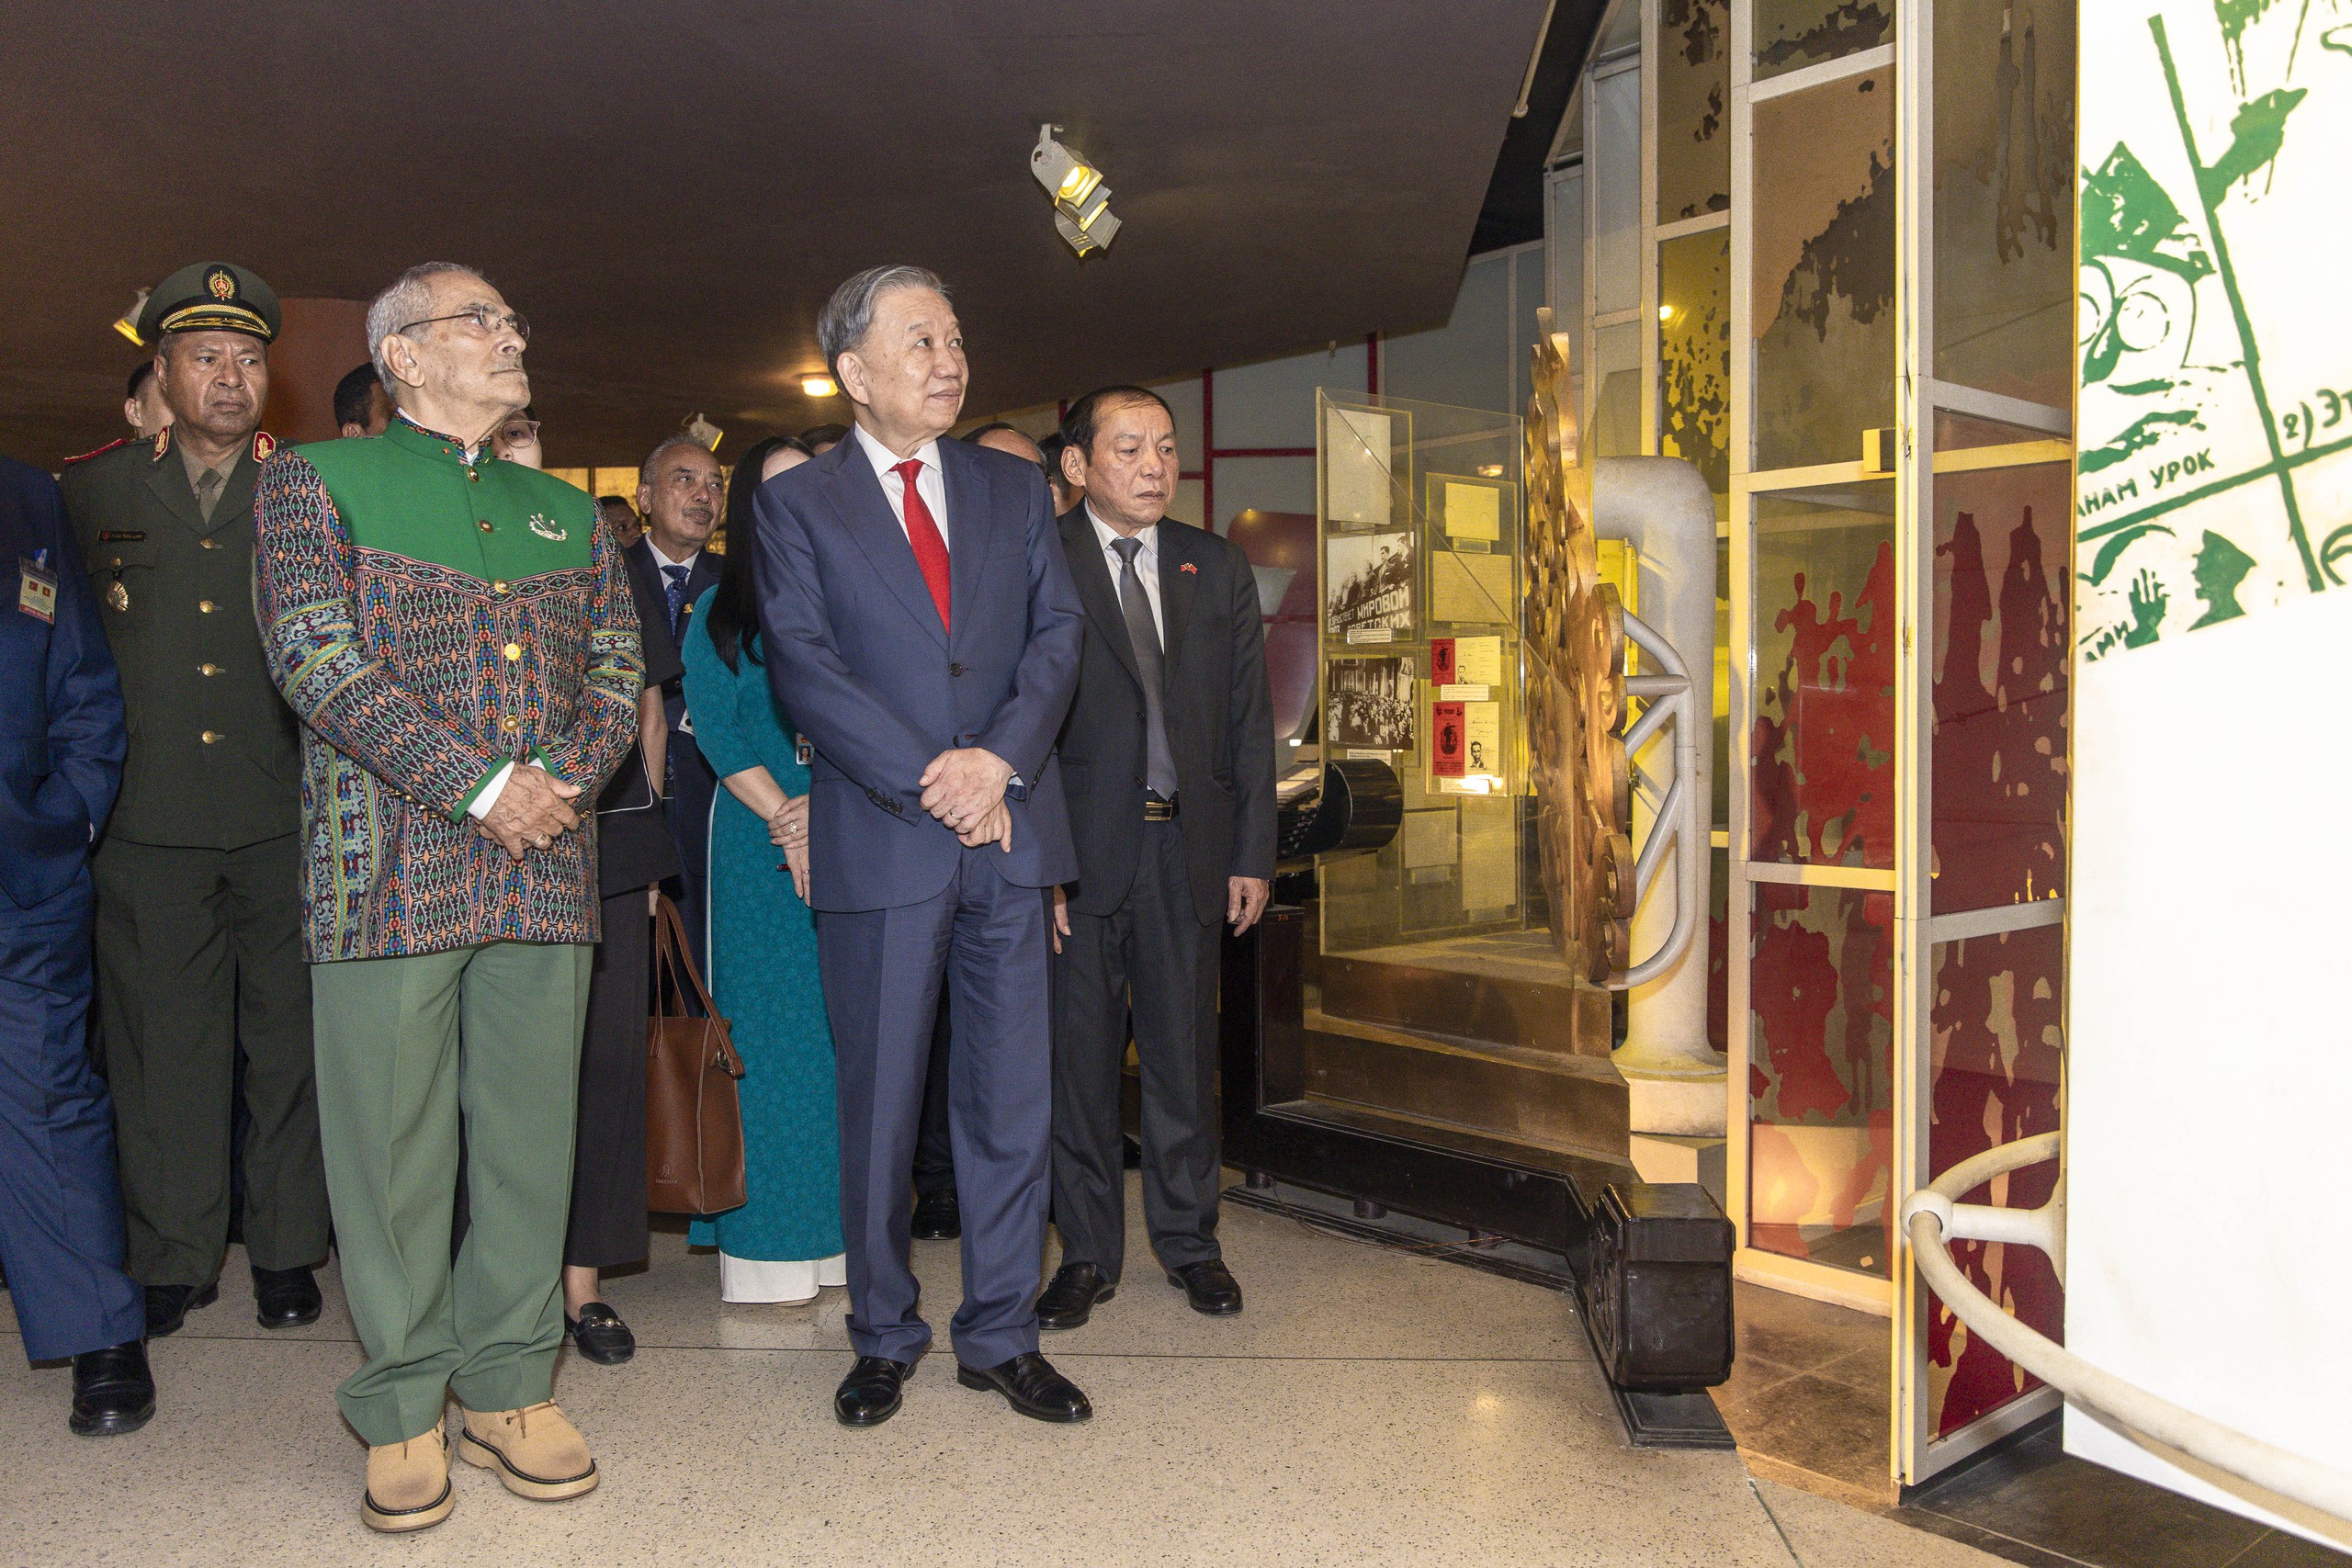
{"points": [[431, 619]]}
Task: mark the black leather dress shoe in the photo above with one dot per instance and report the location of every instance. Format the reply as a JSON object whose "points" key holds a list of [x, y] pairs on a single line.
{"points": [[1209, 1287], [938, 1217], [599, 1334], [1070, 1298], [168, 1306], [113, 1391], [1030, 1385], [869, 1395], [285, 1298]]}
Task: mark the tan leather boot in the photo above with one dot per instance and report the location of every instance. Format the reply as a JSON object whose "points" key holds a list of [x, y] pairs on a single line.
{"points": [[537, 1452], [408, 1484]]}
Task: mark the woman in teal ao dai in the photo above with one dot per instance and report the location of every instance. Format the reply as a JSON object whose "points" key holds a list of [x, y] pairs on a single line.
{"points": [[786, 1241]]}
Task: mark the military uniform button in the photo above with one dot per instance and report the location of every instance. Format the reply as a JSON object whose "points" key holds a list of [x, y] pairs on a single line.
{"points": [[208, 669], [473, 476], [498, 587], [514, 650], [510, 723], [484, 524], [209, 735], [204, 606]]}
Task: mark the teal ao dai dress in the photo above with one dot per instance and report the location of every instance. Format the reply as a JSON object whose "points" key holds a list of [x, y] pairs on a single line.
{"points": [[787, 1239]]}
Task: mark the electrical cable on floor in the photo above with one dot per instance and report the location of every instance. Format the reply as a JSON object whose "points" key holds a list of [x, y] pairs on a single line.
{"points": [[1786, 1544]]}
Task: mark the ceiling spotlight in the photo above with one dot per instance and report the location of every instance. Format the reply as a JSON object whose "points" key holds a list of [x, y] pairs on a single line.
{"points": [[818, 385], [127, 322], [1081, 201], [702, 430]]}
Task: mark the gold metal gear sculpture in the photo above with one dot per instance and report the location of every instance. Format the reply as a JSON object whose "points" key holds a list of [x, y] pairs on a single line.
{"points": [[1575, 691]]}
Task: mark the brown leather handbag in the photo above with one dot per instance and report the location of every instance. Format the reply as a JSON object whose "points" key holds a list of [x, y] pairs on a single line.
{"points": [[693, 1117]]}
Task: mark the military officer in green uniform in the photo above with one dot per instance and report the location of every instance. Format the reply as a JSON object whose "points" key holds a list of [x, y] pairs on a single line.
{"points": [[198, 877]]}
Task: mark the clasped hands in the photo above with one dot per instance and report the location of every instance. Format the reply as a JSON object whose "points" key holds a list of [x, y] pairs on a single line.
{"points": [[965, 790], [532, 811]]}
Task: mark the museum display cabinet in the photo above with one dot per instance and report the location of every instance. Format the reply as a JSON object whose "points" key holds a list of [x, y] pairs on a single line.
{"points": [[1440, 1031]]}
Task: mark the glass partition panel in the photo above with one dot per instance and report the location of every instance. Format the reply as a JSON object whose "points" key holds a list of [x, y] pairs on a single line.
{"points": [[1695, 356], [1420, 559], [1821, 982], [1997, 1017], [1617, 401], [1821, 749], [1693, 108], [2004, 196], [1999, 735], [1794, 34], [1613, 163], [1824, 272]]}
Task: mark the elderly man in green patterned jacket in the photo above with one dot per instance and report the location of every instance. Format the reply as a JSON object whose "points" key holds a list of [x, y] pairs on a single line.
{"points": [[457, 636]]}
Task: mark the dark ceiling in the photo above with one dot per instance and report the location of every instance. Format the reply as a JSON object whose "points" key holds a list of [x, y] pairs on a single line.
{"points": [[670, 193]]}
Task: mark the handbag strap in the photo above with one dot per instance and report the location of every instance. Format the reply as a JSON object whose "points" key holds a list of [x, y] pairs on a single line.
{"points": [[674, 958]]}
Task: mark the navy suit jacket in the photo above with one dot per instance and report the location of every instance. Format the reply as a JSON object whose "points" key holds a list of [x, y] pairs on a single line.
{"points": [[861, 665], [61, 738]]}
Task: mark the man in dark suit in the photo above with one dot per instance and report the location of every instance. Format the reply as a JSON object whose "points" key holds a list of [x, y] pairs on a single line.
{"points": [[682, 492], [1168, 765], [60, 1213], [922, 632]]}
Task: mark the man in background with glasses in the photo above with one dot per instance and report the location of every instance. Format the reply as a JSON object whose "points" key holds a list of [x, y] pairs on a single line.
{"points": [[456, 632]]}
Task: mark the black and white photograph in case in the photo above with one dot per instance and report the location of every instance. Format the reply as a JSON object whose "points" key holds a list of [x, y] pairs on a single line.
{"points": [[1368, 583], [1368, 704]]}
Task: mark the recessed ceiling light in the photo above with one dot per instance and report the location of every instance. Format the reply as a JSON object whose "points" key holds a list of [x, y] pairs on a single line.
{"points": [[819, 387], [1081, 201]]}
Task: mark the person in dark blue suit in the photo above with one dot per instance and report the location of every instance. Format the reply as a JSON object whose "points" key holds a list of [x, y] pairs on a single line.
{"points": [[683, 492], [923, 632], [61, 743]]}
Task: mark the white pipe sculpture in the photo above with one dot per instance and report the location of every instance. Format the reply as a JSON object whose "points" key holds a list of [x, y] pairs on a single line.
{"points": [[1661, 506]]}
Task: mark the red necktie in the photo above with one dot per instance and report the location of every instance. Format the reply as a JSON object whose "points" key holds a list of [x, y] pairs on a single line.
{"points": [[922, 533]]}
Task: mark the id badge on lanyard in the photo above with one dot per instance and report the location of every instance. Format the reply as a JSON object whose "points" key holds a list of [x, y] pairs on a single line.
{"points": [[36, 588]]}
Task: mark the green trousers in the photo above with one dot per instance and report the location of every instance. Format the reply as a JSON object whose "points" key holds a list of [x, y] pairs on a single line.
{"points": [[199, 950], [404, 1047]]}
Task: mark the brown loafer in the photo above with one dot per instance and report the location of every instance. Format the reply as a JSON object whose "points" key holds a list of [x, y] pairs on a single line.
{"points": [[534, 1451], [408, 1484]]}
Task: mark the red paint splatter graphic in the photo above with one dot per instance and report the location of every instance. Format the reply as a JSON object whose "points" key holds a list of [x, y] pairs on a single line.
{"points": [[1998, 1004], [1821, 981]]}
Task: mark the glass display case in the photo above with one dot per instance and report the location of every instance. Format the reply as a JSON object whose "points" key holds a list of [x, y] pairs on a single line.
{"points": [[1436, 1001]]}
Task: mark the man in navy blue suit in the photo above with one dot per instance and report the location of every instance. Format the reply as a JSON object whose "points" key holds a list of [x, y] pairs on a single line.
{"points": [[924, 633], [61, 743]]}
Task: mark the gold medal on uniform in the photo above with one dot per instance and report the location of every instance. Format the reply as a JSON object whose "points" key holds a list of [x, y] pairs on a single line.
{"points": [[117, 595]]}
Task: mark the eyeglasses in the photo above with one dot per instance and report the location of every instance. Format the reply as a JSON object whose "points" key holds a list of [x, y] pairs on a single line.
{"points": [[515, 432], [485, 321]]}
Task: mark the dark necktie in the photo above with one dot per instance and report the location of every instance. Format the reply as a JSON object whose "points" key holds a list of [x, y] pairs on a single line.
{"points": [[675, 581], [923, 534], [1160, 764], [207, 492]]}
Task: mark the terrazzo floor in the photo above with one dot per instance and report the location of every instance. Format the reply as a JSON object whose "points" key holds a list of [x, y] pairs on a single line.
{"points": [[1369, 1407]]}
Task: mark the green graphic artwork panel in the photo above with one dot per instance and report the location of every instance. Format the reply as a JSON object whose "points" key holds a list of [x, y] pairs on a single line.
{"points": [[2213, 353]]}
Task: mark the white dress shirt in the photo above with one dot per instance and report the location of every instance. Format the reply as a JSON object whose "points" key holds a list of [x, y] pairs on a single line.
{"points": [[929, 483], [1146, 567]]}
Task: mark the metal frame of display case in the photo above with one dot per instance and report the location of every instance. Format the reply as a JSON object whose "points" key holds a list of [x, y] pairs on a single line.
{"points": [[1916, 1455], [2042, 436]]}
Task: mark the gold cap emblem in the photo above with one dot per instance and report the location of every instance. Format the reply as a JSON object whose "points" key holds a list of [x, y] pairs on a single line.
{"points": [[222, 285]]}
